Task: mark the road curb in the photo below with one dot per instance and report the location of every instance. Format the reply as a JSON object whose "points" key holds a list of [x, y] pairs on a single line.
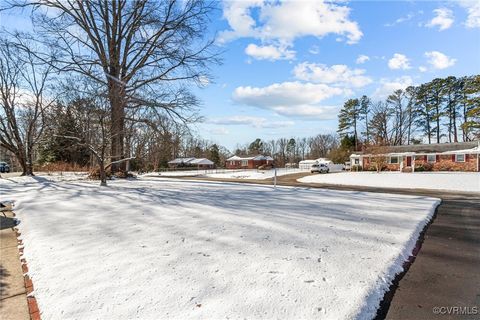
{"points": [[31, 300]]}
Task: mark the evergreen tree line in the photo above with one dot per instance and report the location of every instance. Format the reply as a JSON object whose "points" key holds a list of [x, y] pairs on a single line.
{"points": [[442, 110]]}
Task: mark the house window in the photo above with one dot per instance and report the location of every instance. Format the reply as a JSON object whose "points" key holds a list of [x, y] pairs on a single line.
{"points": [[431, 158], [357, 161], [459, 158], [232, 163], [393, 160], [244, 163]]}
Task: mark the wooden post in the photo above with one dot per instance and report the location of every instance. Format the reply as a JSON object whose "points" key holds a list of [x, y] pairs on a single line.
{"points": [[275, 179]]}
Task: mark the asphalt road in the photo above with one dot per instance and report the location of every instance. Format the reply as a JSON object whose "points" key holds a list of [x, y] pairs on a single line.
{"points": [[444, 273]]}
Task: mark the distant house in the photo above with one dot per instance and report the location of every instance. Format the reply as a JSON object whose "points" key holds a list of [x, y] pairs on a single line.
{"points": [[460, 156], [198, 163], [253, 162], [307, 164]]}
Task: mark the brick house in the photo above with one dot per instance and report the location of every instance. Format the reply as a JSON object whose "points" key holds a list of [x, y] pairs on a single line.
{"points": [[237, 162], [460, 156], [198, 163]]}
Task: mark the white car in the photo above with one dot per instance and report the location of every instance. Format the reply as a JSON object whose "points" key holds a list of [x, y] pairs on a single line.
{"points": [[320, 168]]}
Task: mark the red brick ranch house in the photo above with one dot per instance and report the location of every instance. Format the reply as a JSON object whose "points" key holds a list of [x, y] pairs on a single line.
{"points": [[198, 163], [237, 162], [461, 156]]}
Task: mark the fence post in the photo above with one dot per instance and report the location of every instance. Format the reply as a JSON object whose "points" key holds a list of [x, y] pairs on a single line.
{"points": [[275, 179]]}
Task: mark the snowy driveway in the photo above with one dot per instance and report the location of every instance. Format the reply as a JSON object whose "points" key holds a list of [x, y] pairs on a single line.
{"points": [[169, 249]]}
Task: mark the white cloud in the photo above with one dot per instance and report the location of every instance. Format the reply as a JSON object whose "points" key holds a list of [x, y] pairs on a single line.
{"points": [[473, 12], [399, 61], [439, 60], [388, 86], [220, 131], [443, 19], [281, 22], [339, 74], [291, 98], [314, 50], [400, 20], [256, 122], [269, 52], [309, 112], [203, 81], [362, 59], [422, 69]]}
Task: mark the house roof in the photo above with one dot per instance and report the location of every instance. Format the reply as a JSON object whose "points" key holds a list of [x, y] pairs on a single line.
{"points": [[258, 157], [181, 160], [190, 161], [475, 150], [201, 161]]}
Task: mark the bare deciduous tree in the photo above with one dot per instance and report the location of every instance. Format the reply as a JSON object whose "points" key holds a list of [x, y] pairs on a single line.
{"points": [[23, 100], [143, 52]]}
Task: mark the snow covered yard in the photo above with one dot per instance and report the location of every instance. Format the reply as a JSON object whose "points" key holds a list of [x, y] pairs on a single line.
{"points": [[171, 249], [255, 174], [251, 174], [452, 181]]}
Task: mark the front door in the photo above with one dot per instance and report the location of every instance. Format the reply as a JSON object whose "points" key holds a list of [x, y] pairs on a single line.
{"points": [[409, 161]]}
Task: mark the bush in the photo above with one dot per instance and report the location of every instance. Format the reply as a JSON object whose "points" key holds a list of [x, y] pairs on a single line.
{"points": [[60, 166], [448, 165], [357, 168], [123, 174], [265, 167], [95, 174], [423, 167]]}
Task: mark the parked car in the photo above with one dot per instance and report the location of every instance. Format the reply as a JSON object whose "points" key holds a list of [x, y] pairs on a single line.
{"points": [[4, 167], [320, 168]]}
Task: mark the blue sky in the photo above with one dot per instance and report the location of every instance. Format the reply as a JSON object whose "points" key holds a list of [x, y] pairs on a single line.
{"points": [[291, 70], [288, 66]]}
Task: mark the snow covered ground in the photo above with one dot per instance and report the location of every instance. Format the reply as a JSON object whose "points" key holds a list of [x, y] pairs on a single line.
{"points": [[230, 174], [255, 174], [453, 181], [171, 249]]}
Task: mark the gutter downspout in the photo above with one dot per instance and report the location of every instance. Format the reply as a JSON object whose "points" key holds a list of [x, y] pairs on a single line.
{"points": [[478, 157]]}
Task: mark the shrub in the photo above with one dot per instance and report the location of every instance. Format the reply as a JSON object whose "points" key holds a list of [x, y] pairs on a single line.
{"points": [[95, 174], [448, 165], [265, 167], [60, 166], [123, 174], [357, 167], [423, 167]]}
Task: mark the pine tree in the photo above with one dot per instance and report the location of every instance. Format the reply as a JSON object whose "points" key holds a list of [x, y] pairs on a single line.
{"points": [[348, 119], [410, 94], [452, 92], [215, 154], [471, 107], [256, 147], [425, 111], [365, 104], [436, 88], [395, 104]]}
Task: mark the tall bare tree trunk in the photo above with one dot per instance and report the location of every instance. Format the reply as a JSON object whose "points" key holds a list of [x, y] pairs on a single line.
{"points": [[117, 104]]}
